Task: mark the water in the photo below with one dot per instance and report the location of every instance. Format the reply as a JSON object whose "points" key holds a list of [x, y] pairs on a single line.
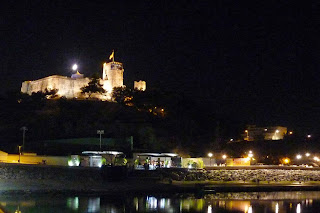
{"points": [[248, 202]]}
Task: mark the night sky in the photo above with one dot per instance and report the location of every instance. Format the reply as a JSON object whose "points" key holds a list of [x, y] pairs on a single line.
{"points": [[256, 62]]}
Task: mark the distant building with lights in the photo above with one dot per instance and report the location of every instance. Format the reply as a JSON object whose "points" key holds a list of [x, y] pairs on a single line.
{"points": [[254, 133], [70, 87]]}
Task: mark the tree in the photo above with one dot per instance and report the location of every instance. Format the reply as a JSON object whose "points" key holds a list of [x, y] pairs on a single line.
{"points": [[93, 86], [51, 93], [122, 95]]}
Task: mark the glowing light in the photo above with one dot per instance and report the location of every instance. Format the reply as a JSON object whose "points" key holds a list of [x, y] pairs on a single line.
{"points": [[224, 156], [75, 67], [277, 131], [210, 155], [246, 131], [250, 155], [74, 161], [277, 208], [162, 203], [73, 203], [152, 202], [299, 156], [298, 208], [309, 136], [290, 133], [209, 209], [265, 129], [286, 160], [316, 159], [307, 154], [231, 139]]}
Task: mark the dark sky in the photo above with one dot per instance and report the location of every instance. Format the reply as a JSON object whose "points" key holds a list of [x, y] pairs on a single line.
{"points": [[257, 61]]}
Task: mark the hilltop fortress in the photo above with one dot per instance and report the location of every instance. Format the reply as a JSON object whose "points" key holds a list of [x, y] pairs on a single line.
{"points": [[70, 87]]}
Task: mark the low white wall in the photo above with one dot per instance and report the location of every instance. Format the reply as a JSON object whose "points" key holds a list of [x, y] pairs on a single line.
{"points": [[37, 159]]}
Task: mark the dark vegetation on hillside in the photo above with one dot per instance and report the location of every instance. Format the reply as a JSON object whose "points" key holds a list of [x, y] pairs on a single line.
{"points": [[157, 120]]}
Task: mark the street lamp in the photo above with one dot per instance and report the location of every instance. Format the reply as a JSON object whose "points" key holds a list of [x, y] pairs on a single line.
{"points": [[286, 160], [306, 141], [299, 157], [210, 156], [224, 156], [24, 129], [246, 131], [100, 132], [19, 153], [307, 154]]}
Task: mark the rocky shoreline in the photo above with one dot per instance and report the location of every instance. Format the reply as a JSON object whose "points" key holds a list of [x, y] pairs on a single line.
{"points": [[25, 179]]}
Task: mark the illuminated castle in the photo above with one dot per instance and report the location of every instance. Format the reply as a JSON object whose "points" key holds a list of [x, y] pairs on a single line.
{"points": [[70, 87]]}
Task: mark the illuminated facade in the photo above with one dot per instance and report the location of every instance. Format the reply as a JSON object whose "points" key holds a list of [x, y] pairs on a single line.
{"points": [[254, 133], [70, 87], [140, 85]]}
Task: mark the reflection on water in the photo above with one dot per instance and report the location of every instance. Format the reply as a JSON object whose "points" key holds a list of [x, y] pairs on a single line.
{"points": [[247, 202]]}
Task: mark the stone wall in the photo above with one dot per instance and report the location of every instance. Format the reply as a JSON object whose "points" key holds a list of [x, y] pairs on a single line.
{"points": [[34, 172], [140, 85], [247, 175]]}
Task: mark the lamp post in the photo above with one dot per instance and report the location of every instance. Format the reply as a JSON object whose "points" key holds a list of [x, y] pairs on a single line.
{"points": [[100, 132], [210, 156], [19, 153], [24, 129], [307, 141], [246, 131]]}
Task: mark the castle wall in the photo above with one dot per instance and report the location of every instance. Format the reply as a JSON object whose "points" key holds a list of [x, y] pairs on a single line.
{"points": [[140, 85], [68, 87], [112, 76]]}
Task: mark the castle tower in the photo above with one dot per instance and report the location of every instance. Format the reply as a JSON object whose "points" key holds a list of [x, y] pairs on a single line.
{"points": [[113, 72], [140, 85]]}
